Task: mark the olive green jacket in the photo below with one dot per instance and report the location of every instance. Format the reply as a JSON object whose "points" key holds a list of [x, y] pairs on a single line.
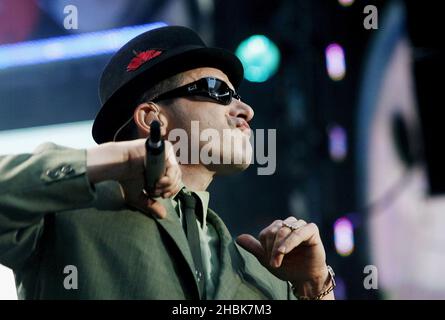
{"points": [[51, 217]]}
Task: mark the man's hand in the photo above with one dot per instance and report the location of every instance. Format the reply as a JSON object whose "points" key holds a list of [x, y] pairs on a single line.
{"points": [[296, 256], [124, 162]]}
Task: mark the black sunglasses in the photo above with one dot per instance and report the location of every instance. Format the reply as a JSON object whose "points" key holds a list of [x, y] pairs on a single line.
{"points": [[213, 88]]}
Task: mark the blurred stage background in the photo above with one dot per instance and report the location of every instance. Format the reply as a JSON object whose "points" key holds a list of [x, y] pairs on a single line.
{"points": [[358, 136]]}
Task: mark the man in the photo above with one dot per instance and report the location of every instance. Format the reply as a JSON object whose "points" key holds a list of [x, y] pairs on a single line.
{"points": [[79, 224]]}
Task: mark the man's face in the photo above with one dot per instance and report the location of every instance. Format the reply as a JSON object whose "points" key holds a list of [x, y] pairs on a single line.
{"points": [[223, 132]]}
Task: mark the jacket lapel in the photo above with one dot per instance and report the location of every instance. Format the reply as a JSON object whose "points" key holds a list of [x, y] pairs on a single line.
{"points": [[237, 265], [172, 226], [255, 273], [230, 260]]}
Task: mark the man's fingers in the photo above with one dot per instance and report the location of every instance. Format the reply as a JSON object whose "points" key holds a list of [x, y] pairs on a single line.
{"points": [[278, 250], [175, 187], [167, 178], [251, 244], [151, 206], [170, 154], [171, 175], [276, 256], [170, 187], [267, 237], [305, 233], [171, 168], [274, 232], [169, 183], [157, 209]]}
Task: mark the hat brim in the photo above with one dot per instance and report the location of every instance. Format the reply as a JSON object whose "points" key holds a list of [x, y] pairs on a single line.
{"points": [[120, 106]]}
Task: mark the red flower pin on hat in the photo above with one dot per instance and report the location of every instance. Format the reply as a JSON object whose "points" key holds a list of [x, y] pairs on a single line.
{"points": [[141, 58]]}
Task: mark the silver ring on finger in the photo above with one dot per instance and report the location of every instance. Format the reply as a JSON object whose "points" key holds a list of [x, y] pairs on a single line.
{"points": [[290, 226]]}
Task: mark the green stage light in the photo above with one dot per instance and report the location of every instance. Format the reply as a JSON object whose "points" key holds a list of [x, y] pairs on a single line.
{"points": [[260, 58]]}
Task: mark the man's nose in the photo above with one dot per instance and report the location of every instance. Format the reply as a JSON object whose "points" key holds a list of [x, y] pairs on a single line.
{"points": [[242, 110]]}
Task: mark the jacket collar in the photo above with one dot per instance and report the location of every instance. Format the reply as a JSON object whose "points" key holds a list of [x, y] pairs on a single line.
{"points": [[172, 226], [204, 198]]}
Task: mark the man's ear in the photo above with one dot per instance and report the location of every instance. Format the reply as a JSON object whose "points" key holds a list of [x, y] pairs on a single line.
{"points": [[144, 114]]}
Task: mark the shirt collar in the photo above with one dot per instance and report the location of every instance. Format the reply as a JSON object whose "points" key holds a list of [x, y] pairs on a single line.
{"points": [[203, 196]]}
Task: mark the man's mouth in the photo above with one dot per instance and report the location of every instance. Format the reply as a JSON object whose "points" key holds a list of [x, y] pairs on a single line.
{"points": [[243, 126]]}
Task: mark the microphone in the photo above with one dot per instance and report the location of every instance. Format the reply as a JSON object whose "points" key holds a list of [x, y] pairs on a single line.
{"points": [[154, 157]]}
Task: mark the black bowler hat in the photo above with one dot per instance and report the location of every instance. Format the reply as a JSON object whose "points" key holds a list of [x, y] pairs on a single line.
{"points": [[146, 60]]}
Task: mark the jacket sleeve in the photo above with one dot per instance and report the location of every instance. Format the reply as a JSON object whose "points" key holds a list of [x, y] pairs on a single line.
{"points": [[51, 179]]}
